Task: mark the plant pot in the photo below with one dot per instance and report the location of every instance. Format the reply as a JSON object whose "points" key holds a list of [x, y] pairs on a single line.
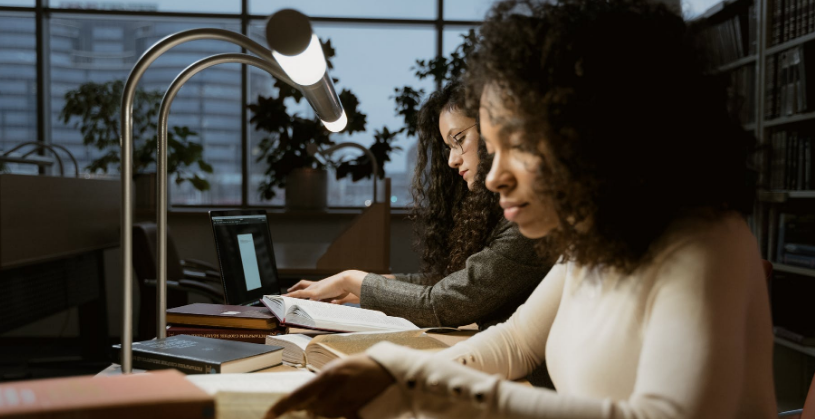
{"points": [[307, 190]]}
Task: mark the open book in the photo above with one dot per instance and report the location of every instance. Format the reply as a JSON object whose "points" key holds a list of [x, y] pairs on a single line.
{"points": [[314, 352], [332, 317]]}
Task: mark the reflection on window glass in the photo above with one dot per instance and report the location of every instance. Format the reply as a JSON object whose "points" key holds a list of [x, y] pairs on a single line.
{"points": [[370, 61], [193, 6], [101, 49], [413, 9], [466, 9], [18, 85]]}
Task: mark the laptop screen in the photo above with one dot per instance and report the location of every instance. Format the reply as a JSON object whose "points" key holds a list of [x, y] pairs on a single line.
{"points": [[244, 247]]}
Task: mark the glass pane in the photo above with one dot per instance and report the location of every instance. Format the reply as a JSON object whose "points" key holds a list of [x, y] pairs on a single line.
{"points": [[694, 8], [23, 3], [466, 9], [453, 36], [414, 9], [194, 6], [371, 61], [18, 85], [102, 49]]}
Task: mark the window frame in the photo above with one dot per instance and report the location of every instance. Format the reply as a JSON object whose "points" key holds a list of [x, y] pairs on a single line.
{"points": [[42, 12]]}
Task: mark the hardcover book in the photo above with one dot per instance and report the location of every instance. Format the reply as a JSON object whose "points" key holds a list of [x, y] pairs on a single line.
{"points": [[222, 315], [161, 394], [240, 335], [332, 317], [197, 355]]}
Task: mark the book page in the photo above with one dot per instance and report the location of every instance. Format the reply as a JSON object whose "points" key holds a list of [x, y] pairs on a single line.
{"points": [[259, 382], [277, 305], [240, 405]]}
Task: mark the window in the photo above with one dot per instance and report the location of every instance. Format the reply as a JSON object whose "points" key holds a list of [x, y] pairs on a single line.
{"points": [[377, 44], [472, 10], [413, 9], [18, 84], [370, 61], [101, 49]]}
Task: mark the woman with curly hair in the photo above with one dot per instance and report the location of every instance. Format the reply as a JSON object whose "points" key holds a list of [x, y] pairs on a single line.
{"points": [[612, 140], [476, 266]]}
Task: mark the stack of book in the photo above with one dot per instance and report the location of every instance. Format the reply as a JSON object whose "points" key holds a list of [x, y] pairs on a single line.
{"points": [[222, 321], [796, 240]]}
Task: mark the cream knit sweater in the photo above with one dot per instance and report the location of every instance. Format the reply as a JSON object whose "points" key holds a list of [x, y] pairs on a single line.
{"points": [[688, 336]]}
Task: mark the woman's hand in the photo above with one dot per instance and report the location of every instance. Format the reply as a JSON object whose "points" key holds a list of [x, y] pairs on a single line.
{"points": [[341, 389], [344, 287]]}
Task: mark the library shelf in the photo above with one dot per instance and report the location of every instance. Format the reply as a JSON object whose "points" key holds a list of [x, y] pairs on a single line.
{"points": [[789, 44], [736, 64], [794, 270], [789, 119], [808, 350], [779, 196]]}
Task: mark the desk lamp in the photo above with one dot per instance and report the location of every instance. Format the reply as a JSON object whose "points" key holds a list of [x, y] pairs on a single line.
{"points": [[295, 58], [314, 150]]}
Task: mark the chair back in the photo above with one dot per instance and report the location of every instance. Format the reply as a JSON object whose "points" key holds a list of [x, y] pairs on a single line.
{"points": [[145, 263]]}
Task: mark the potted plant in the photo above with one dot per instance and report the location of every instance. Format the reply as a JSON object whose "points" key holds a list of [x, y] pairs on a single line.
{"points": [[285, 147], [94, 110]]}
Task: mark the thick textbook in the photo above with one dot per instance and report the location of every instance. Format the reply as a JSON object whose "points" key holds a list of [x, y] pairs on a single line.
{"points": [[331, 317], [197, 355], [222, 315], [160, 394], [315, 352], [241, 335]]}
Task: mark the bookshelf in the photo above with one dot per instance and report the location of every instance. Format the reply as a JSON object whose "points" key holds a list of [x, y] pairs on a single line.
{"points": [[767, 48]]}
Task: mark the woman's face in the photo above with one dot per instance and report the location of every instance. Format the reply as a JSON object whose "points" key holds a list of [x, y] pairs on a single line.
{"points": [[460, 136], [514, 171]]}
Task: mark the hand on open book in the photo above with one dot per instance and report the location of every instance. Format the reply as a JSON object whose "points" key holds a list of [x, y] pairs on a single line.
{"points": [[341, 288], [342, 388]]}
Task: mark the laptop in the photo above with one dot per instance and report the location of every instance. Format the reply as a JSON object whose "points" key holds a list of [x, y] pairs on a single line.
{"points": [[245, 255]]}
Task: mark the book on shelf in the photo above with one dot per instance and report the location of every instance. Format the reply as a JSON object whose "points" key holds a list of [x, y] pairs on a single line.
{"points": [[796, 240], [223, 315], [801, 339], [788, 90], [158, 394], [791, 160], [241, 335], [197, 355], [295, 312], [315, 352], [790, 19]]}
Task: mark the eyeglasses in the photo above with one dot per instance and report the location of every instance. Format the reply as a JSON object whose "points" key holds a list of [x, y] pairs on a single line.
{"points": [[456, 143]]}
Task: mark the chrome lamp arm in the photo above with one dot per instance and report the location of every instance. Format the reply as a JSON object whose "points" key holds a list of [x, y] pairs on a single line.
{"points": [[320, 94]]}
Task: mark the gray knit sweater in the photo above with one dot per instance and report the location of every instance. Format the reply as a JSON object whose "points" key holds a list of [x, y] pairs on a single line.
{"points": [[493, 283]]}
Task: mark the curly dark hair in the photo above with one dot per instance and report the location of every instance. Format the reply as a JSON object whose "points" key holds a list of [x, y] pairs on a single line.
{"points": [[452, 221], [632, 131]]}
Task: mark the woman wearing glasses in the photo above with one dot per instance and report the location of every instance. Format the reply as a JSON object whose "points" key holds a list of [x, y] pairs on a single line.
{"points": [[596, 112], [476, 267]]}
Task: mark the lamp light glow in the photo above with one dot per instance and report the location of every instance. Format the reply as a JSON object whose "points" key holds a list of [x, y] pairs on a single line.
{"points": [[337, 125], [307, 67]]}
